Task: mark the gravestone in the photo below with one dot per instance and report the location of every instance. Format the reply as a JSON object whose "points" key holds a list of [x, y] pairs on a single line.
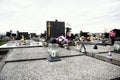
{"points": [[55, 29], [19, 35]]}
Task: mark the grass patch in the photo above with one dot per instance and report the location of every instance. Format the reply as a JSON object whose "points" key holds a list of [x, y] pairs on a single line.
{"points": [[1, 43]]}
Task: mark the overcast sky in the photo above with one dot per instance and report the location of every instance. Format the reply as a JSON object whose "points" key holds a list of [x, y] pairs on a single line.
{"points": [[85, 15]]}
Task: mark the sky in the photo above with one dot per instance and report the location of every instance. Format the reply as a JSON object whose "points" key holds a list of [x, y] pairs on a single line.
{"points": [[86, 15]]}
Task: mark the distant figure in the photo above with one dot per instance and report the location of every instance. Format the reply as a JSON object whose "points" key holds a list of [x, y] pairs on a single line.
{"points": [[103, 41], [82, 48], [76, 40], [112, 36]]}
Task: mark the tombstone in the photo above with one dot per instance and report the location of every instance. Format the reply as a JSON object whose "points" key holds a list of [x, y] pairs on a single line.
{"points": [[55, 29], [33, 35], [85, 34], [25, 34], [106, 35], [53, 54]]}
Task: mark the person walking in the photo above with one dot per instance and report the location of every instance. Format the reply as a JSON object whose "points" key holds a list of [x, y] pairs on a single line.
{"points": [[82, 47]]}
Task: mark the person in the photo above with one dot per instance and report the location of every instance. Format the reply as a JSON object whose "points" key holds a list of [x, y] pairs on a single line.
{"points": [[76, 40], [82, 47], [112, 36]]}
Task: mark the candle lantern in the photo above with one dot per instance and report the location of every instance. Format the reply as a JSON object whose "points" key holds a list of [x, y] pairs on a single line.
{"points": [[94, 51], [53, 54]]}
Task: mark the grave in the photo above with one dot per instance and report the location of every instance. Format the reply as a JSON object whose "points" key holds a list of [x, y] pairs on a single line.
{"points": [[20, 34], [21, 44]]}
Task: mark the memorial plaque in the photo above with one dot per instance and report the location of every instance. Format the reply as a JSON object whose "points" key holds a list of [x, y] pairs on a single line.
{"points": [[55, 29]]}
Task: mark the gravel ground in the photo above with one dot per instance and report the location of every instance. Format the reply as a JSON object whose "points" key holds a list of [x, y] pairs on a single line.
{"points": [[27, 53], [71, 68]]}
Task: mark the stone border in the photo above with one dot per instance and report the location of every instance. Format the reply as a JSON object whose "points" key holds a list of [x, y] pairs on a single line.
{"points": [[104, 58], [64, 56]]}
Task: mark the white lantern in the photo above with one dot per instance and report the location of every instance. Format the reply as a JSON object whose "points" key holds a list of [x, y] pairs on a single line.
{"points": [[116, 46], [94, 51], [53, 53], [109, 56]]}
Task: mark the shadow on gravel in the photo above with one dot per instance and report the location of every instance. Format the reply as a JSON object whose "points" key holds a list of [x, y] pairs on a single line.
{"points": [[118, 78]]}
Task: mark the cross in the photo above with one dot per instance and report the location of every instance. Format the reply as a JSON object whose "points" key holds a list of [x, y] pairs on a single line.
{"points": [[49, 26]]}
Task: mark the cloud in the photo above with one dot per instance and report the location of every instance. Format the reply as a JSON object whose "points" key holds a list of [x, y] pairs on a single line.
{"points": [[86, 15]]}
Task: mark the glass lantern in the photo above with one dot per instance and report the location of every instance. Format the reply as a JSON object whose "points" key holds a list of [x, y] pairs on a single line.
{"points": [[53, 50]]}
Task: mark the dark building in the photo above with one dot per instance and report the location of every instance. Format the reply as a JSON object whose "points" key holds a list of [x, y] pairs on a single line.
{"points": [[55, 29]]}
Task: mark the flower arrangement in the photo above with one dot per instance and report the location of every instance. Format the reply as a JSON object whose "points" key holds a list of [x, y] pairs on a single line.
{"points": [[112, 34]]}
